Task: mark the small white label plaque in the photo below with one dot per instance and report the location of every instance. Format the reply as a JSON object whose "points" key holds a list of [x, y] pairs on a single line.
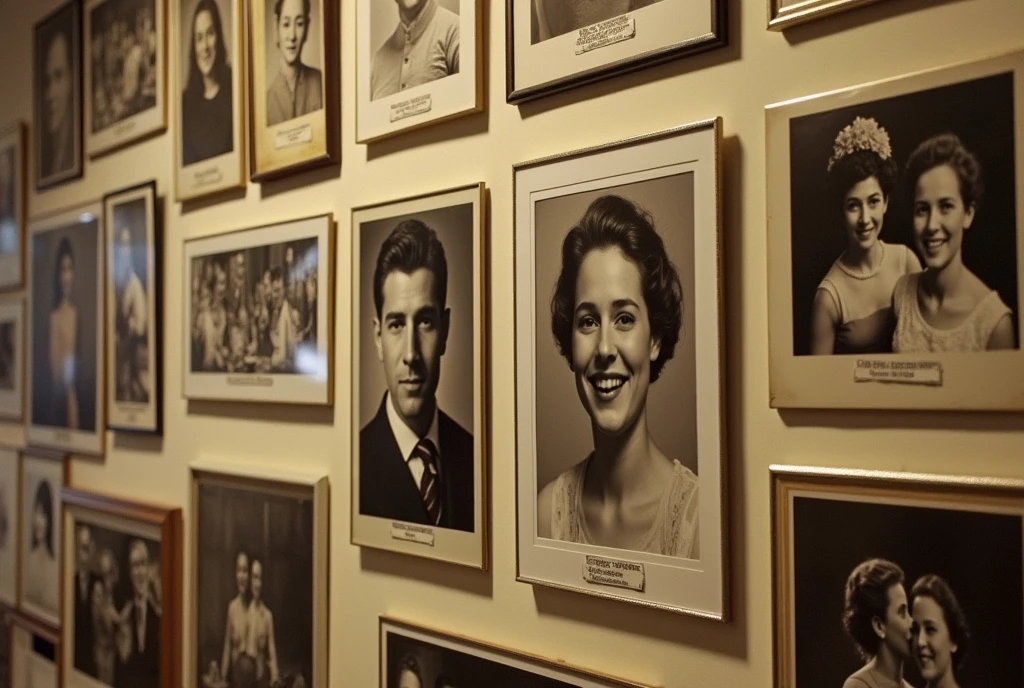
{"points": [[900, 372], [421, 535], [411, 107], [606, 33], [618, 574], [296, 136]]}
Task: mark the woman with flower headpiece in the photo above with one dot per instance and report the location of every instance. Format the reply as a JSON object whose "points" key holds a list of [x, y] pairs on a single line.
{"points": [[852, 310]]}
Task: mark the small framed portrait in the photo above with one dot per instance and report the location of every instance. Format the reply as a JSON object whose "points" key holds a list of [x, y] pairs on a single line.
{"points": [[12, 359], [122, 590], [260, 576], [10, 515], [553, 46], [618, 334], [125, 72], [416, 656], [57, 96], [258, 317], [209, 92], [44, 475], [419, 62], [419, 483], [65, 331], [895, 212], [35, 653], [134, 321], [783, 14], [882, 577], [293, 88], [12, 206]]}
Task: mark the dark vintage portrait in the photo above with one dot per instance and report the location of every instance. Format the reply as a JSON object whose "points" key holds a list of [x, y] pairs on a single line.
{"points": [[117, 607], [8, 352], [58, 94], [254, 588], [132, 321], [904, 232], [123, 46], [42, 481], [414, 42], [207, 99], [416, 386], [550, 18], [10, 212], [294, 36], [9, 485]]}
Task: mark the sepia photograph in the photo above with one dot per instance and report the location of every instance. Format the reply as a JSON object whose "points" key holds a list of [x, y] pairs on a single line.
{"points": [[782, 14], [43, 477], [12, 206], [10, 515], [35, 652], [126, 46], [611, 345], [12, 358], [260, 590], [881, 579], [65, 337], [57, 96], [418, 390]]}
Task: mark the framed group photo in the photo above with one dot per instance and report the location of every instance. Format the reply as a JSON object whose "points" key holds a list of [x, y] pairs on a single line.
{"points": [[65, 331], [895, 213], [888, 577], [618, 334], [12, 359], [35, 652], [419, 469], [57, 96], [44, 475], [293, 86], [12, 206], [418, 63], [782, 14], [10, 520]]}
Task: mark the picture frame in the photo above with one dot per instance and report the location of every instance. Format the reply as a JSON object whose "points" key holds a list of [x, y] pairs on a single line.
{"points": [[442, 233], [433, 655], [12, 359], [396, 95], [134, 326], [288, 135], [10, 525], [856, 292], [35, 652], [252, 368], [210, 118], [623, 192], [12, 205], [541, 35], [783, 14], [102, 536], [120, 110], [44, 474], [58, 131], [278, 520], [878, 535], [66, 407]]}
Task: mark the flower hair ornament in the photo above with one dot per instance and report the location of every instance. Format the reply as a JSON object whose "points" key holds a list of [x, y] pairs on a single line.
{"points": [[863, 134]]}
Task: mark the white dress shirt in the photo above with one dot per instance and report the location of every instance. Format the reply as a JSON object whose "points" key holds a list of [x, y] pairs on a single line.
{"points": [[407, 441]]}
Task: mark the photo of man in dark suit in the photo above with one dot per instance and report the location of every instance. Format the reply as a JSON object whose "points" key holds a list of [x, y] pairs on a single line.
{"points": [[415, 462], [85, 577], [141, 665]]}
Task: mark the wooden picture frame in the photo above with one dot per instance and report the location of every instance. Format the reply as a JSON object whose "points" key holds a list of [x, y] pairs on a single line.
{"points": [[44, 475], [10, 525], [31, 643], [12, 359], [13, 196], [58, 130], [783, 14]]}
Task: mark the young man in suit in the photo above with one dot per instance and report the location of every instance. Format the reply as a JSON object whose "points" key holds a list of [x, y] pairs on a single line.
{"points": [[85, 550], [415, 462], [141, 666]]}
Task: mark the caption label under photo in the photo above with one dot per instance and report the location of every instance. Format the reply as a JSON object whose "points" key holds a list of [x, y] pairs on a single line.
{"points": [[606, 33], [615, 573], [901, 372], [421, 535]]}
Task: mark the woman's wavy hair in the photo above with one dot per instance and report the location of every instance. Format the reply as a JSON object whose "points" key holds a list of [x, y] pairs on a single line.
{"points": [[938, 589], [221, 66], [44, 500], [867, 599], [948, 149]]}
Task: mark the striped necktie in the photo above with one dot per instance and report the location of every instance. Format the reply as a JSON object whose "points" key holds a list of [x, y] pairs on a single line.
{"points": [[430, 490]]}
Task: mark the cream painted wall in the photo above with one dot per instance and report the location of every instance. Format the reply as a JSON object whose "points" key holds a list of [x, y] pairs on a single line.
{"points": [[759, 67]]}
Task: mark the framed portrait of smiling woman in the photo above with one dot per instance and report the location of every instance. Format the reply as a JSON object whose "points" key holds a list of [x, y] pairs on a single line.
{"points": [[620, 472]]}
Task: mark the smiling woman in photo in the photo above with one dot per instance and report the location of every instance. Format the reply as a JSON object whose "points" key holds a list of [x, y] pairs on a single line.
{"points": [[206, 104], [616, 315], [940, 632], [298, 88]]}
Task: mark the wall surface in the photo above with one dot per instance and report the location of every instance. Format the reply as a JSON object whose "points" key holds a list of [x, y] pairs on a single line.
{"points": [[759, 67]]}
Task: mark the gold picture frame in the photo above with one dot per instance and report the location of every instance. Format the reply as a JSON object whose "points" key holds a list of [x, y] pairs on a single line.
{"points": [[13, 197]]}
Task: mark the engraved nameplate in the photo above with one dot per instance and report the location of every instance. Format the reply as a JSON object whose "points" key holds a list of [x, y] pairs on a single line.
{"points": [[618, 574], [421, 535], [902, 372], [606, 33]]}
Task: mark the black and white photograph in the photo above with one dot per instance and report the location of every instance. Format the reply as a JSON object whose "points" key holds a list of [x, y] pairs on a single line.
{"points": [[12, 358], [35, 652], [419, 390], [134, 254], [43, 477], [57, 96], [884, 581], [903, 219], [416, 657], [612, 355], [65, 339], [10, 515], [783, 14], [260, 581], [125, 71], [12, 205]]}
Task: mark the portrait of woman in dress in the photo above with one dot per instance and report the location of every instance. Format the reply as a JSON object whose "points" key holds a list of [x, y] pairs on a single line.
{"points": [[236, 666], [40, 579], [63, 408], [940, 630], [877, 618], [297, 88], [616, 317], [207, 103]]}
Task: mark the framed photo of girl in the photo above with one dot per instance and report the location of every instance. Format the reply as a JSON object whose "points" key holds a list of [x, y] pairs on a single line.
{"points": [[65, 331], [895, 217], [209, 92], [419, 389], [12, 206], [35, 652], [618, 333], [57, 96], [885, 575], [414, 68], [10, 528], [134, 320], [44, 475], [293, 87], [12, 359], [122, 589]]}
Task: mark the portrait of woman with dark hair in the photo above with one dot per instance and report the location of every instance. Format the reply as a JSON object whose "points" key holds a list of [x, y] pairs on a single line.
{"points": [[235, 662], [63, 336], [877, 619], [207, 100], [297, 88], [940, 632], [41, 582]]}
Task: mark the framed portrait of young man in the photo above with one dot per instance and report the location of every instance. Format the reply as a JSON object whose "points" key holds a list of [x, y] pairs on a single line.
{"points": [[209, 97], [419, 62], [895, 244], [134, 322], [121, 582], [896, 578], [258, 316], [125, 72], [12, 359], [44, 475], [12, 206], [10, 520], [619, 327], [260, 561], [35, 652], [57, 96], [419, 468], [293, 86], [65, 331], [553, 45], [783, 14]]}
